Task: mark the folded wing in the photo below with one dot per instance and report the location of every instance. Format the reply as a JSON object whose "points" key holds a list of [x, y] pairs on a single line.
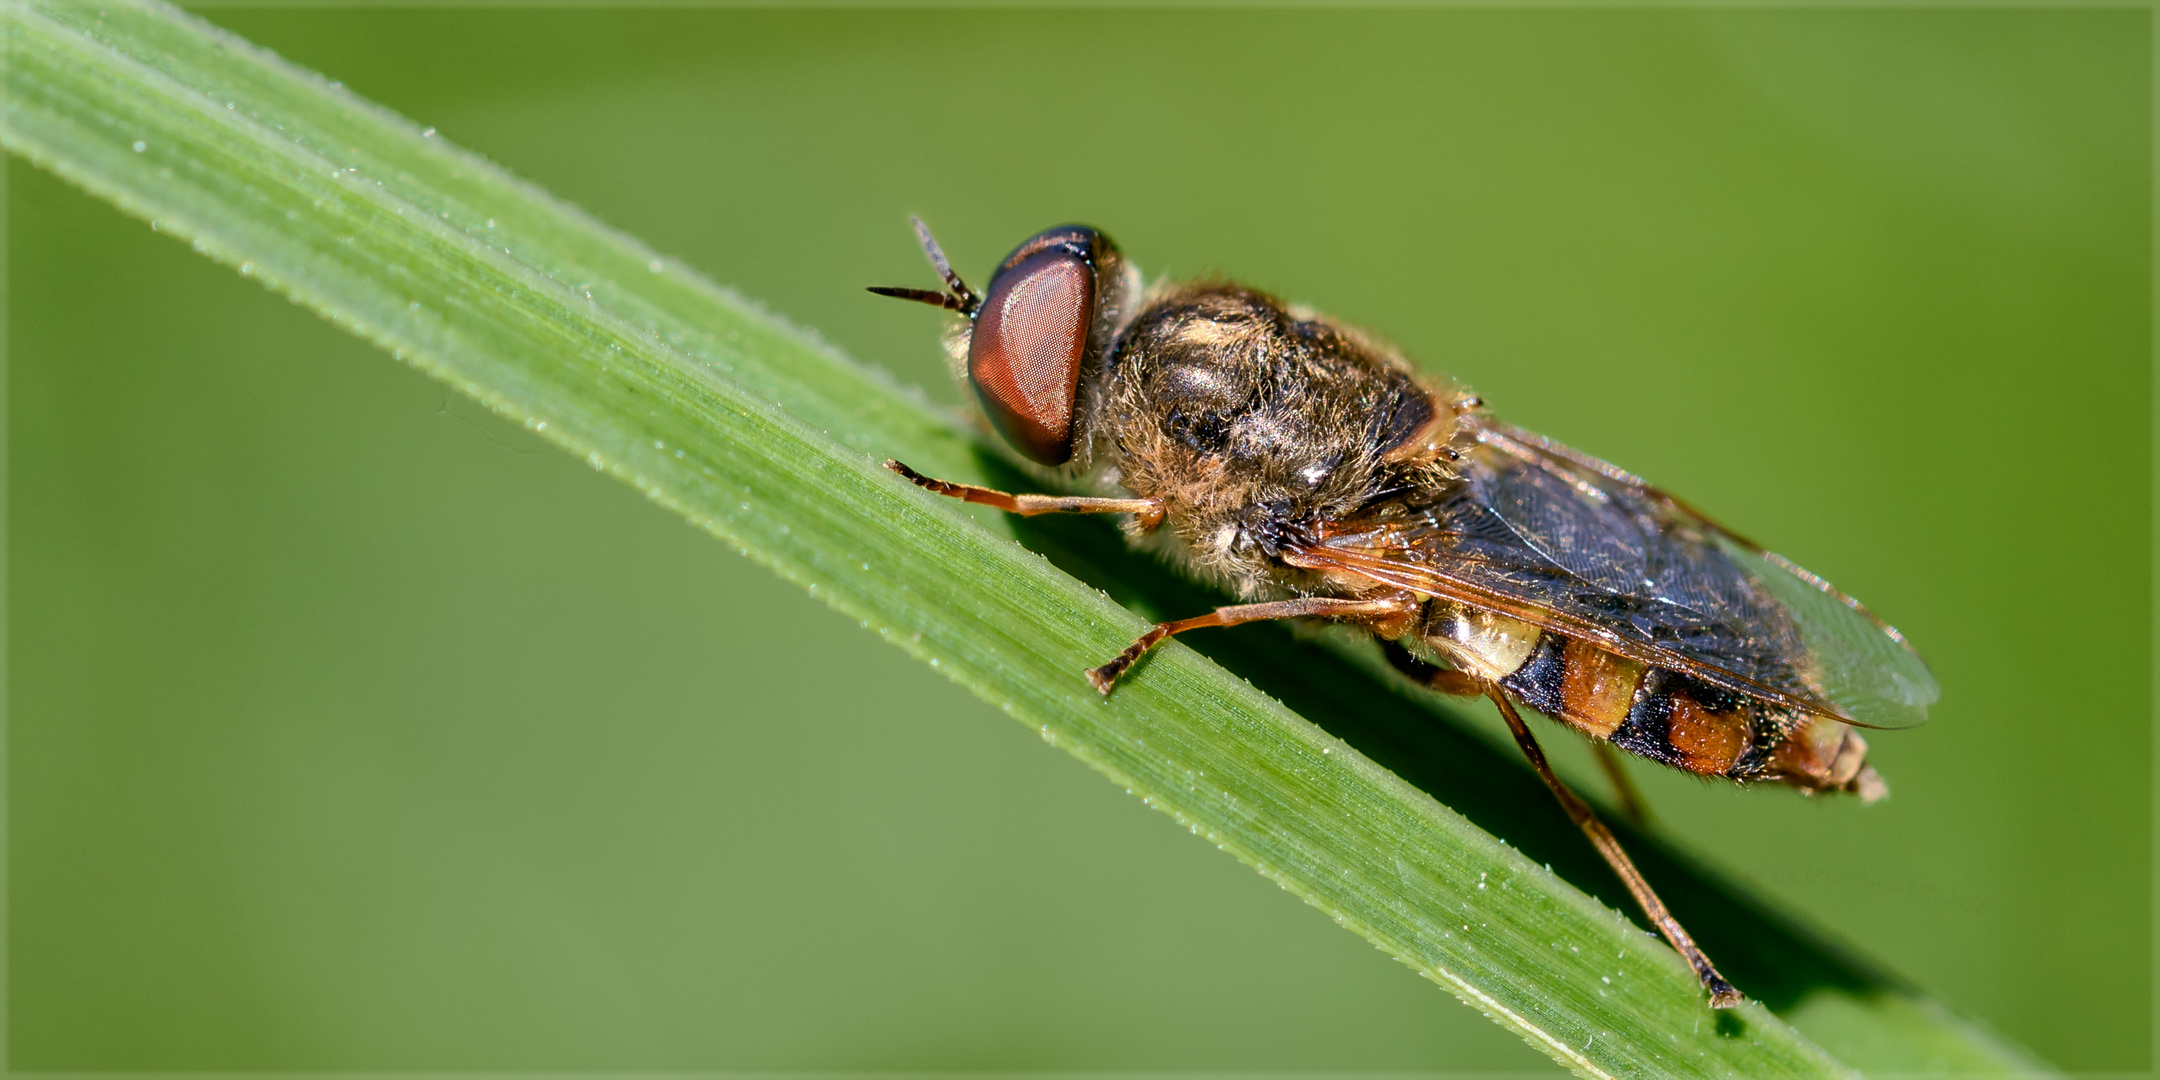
{"points": [[1574, 545]]}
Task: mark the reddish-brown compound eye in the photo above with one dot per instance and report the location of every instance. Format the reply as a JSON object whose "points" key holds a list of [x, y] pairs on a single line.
{"points": [[1031, 338]]}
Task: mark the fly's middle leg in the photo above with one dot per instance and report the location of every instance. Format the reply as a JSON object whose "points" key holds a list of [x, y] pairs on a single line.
{"points": [[1370, 612]]}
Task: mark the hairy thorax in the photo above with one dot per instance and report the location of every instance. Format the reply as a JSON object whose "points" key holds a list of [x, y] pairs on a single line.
{"points": [[1250, 419]]}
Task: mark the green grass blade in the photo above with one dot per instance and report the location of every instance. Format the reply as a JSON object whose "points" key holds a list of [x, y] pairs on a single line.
{"points": [[769, 440]]}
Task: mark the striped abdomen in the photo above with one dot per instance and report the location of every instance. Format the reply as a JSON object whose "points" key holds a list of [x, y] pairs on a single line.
{"points": [[1663, 715]]}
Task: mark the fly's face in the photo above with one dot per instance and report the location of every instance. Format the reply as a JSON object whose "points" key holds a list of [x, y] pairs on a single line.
{"points": [[1037, 335]]}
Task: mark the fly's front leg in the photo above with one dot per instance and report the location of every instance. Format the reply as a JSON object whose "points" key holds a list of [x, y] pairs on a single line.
{"points": [[1722, 994], [1370, 612], [1149, 511]]}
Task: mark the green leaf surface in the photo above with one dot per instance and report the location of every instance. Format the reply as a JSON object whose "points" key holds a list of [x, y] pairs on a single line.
{"points": [[771, 441]]}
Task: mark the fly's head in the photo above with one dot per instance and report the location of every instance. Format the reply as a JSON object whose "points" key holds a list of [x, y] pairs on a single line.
{"points": [[1034, 345]]}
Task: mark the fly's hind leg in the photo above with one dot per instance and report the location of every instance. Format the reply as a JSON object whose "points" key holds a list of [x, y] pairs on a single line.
{"points": [[1463, 684], [1722, 994], [1448, 681], [1632, 805]]}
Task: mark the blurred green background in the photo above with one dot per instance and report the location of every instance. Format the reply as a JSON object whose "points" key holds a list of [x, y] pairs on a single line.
{"points": [[350, 728]]}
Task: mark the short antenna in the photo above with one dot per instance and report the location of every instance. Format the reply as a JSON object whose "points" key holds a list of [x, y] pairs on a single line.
{"points": [[944, 269], [961, 299], [921, 296]]}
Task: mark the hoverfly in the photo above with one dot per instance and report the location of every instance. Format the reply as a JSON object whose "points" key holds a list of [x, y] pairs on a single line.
{"points": [[1308, 468]]}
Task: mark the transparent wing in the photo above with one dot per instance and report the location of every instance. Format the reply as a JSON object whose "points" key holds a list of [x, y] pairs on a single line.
{"points": [[1575, 545], [1861, 664]]}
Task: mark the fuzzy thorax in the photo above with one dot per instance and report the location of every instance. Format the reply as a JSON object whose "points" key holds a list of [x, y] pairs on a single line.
{"points": [[1252, 420]]}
